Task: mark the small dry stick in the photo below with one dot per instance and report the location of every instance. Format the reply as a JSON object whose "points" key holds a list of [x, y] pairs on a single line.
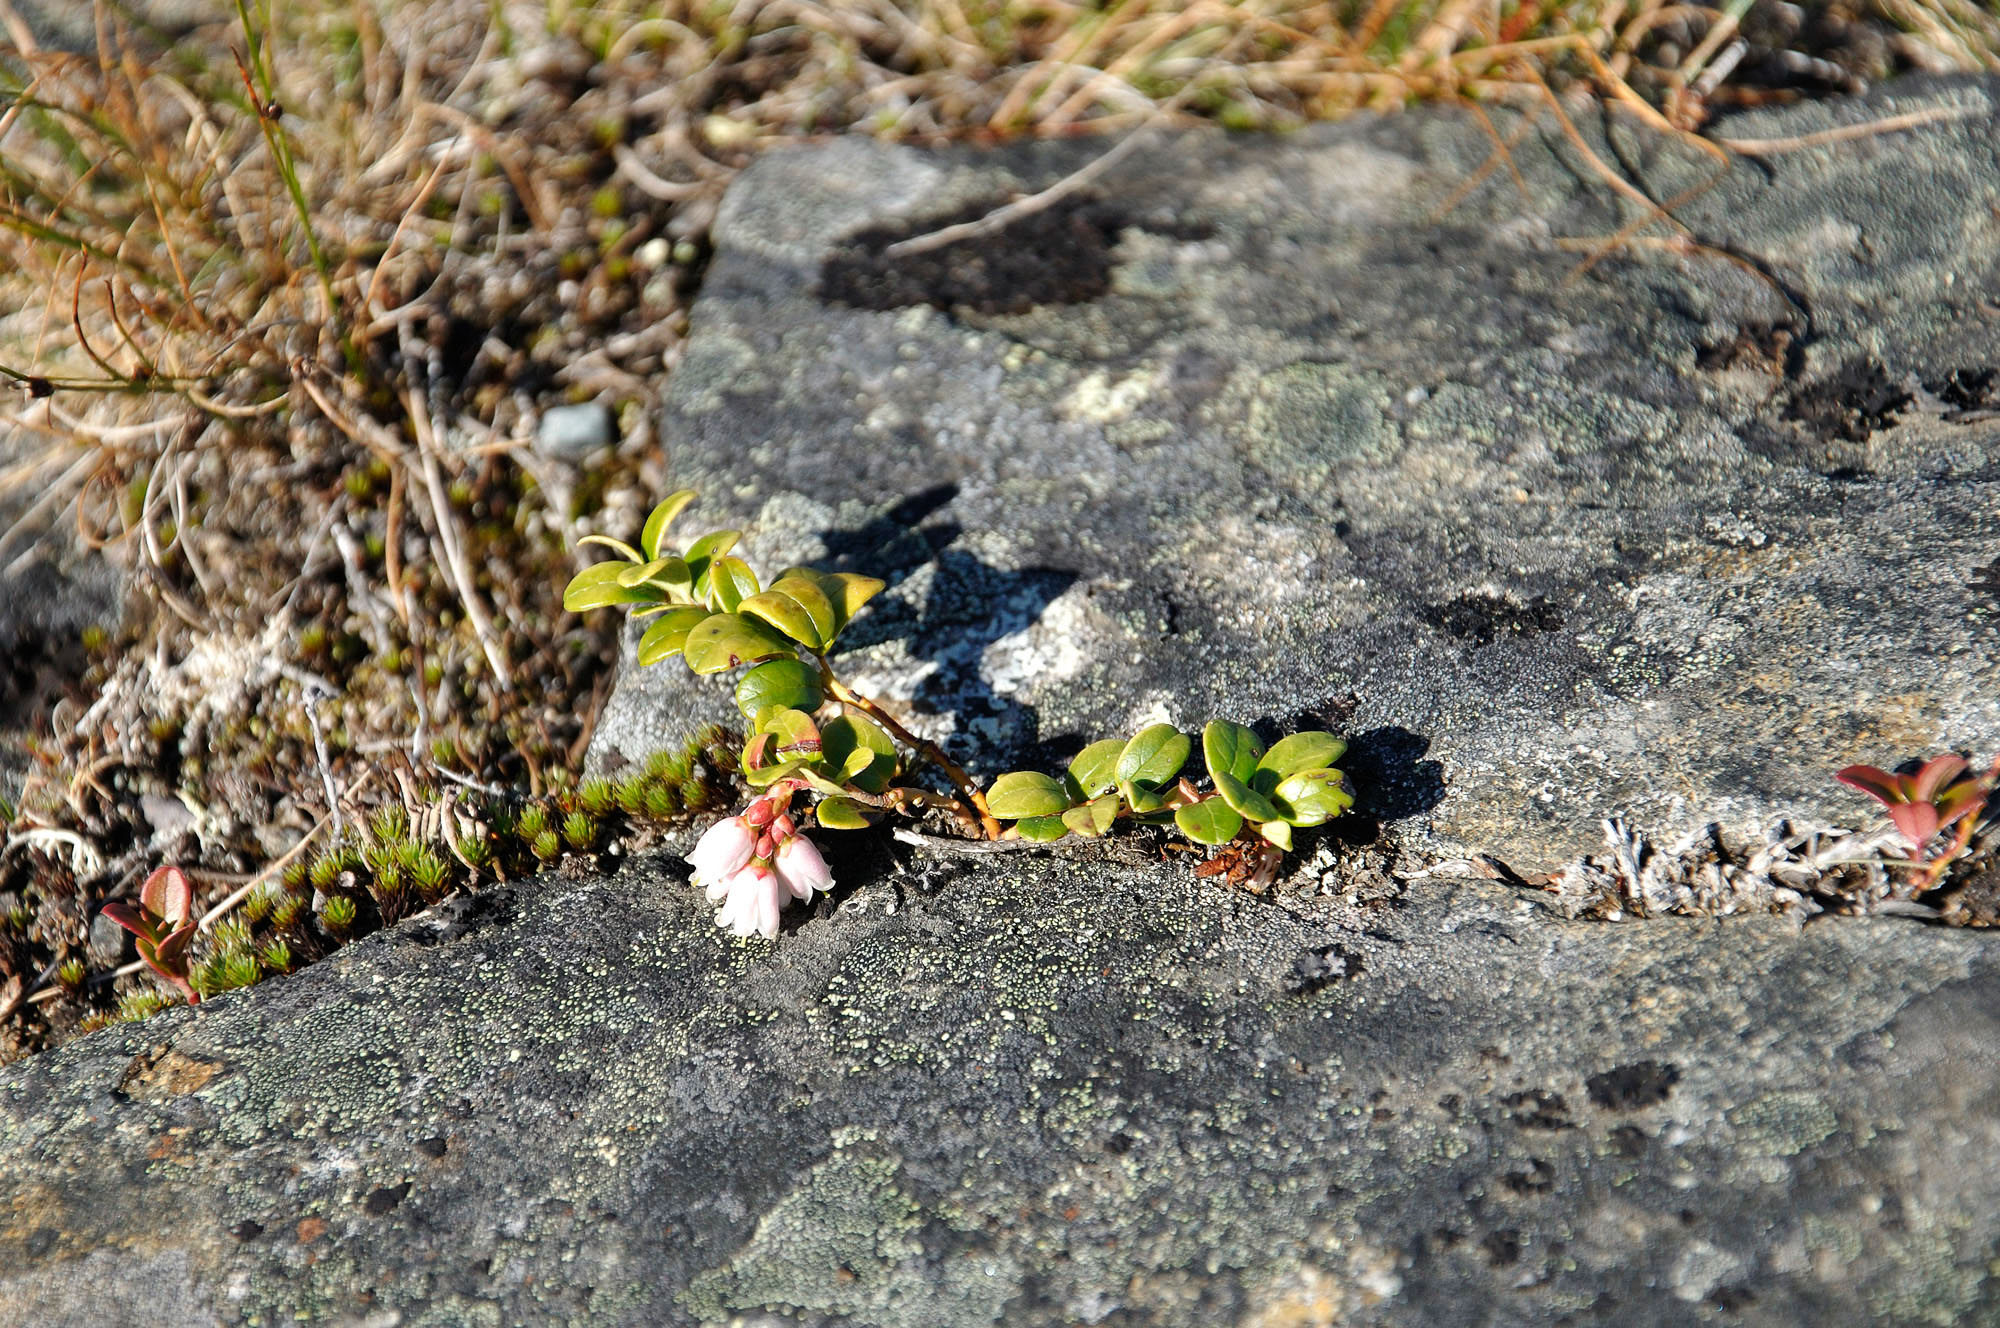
{"points": [[1771, 147], [1042, 200]]}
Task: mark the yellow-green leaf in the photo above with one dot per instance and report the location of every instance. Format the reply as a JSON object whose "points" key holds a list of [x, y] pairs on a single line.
{"points": [[1095, 768], [597, 586], [730, 582], [618, 546], [1313, 796], [1230, 749], [842, 738], [1311, 750], [655, 532], [637, 572], [1042, 829], [1253, 805], [1210, 821], [725, 640], [668, 635], [845, 591], [841, 814], [798, 608], [1026, 794], [710, 547], [1278, 833], [1154, 756], [784, 684]]}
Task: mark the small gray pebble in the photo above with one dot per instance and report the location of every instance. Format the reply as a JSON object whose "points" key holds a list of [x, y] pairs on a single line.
{"points": [[571, 433]]}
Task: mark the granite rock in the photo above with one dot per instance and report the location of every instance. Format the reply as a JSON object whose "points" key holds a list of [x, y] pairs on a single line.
{"points": [[1300, 431], [1672, 538], [1038, 1090]]}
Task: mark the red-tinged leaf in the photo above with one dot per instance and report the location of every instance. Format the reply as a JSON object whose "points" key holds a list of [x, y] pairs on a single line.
{"points": [[167, 895], [1960, 801], [1917, 821], [132, 920], [1938, 772], [1880, 785]]}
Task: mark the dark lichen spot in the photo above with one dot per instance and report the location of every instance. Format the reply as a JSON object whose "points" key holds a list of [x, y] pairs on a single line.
{"points": [[433, 1147], [1850, 404], [1061, 255], [1538, 1109], [1630, 1141], [1629, 1087], [1483, 619], [247, 1229], [1501, 1248], [1987, 578], [1538, 1178], [1966, 390], [385, 1199], [1729, 1299], [1766, 347]]}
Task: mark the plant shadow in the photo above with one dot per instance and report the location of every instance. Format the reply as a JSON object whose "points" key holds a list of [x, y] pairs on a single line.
{"points": [[960, 607]]}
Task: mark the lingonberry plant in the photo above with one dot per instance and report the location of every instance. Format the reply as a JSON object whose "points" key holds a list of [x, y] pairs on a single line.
{"points": [[162, 925], [711, 610], [1942, 796]]}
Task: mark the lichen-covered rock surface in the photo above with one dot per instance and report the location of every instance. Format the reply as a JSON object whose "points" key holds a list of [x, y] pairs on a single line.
{"points": [[1253, 435], [1032, 1091], [1290, 436]]}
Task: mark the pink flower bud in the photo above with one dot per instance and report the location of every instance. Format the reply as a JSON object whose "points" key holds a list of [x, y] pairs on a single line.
{"points": [[760, 813], [801, 867], [722, 852]]}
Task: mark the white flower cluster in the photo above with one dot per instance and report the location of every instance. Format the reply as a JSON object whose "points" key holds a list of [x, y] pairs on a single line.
{"points": [[750, 862]]}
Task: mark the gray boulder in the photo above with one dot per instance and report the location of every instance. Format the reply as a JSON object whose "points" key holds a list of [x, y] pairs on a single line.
{"points": [[1285, 439], [1674, 538], [1032, 1091]]}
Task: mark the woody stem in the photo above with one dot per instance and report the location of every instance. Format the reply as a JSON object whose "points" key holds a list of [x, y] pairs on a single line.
{"points": [[923, 747]]}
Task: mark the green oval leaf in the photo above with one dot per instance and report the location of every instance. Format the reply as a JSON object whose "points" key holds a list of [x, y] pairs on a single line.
{"points": [[1042, 829], [1210, 821], [724, 640], [1154, 756], [669, 633], [655, 532], [637, 572], [1313, 796], [597, 585], [1103, 811], [798, 608], [784, 684], [1278, 833], [1026, 794], [1095, 768], [618, 546], [730, 582], [845, 591], [1311, 750], [1079, 821], [1143, 799], [845, 739], [796, 737], [841, 814], [1230, 749], [709, 547], [1253, 805]]}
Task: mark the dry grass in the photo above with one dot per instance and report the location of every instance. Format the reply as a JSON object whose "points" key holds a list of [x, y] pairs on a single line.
{"points": [[284, 296]]}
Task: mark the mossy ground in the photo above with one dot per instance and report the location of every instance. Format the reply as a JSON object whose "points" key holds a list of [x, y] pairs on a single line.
{"points": [[281, 331]]}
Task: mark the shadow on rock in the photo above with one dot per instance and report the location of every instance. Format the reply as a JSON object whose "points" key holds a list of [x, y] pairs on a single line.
{"points": [[962, 606]]}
